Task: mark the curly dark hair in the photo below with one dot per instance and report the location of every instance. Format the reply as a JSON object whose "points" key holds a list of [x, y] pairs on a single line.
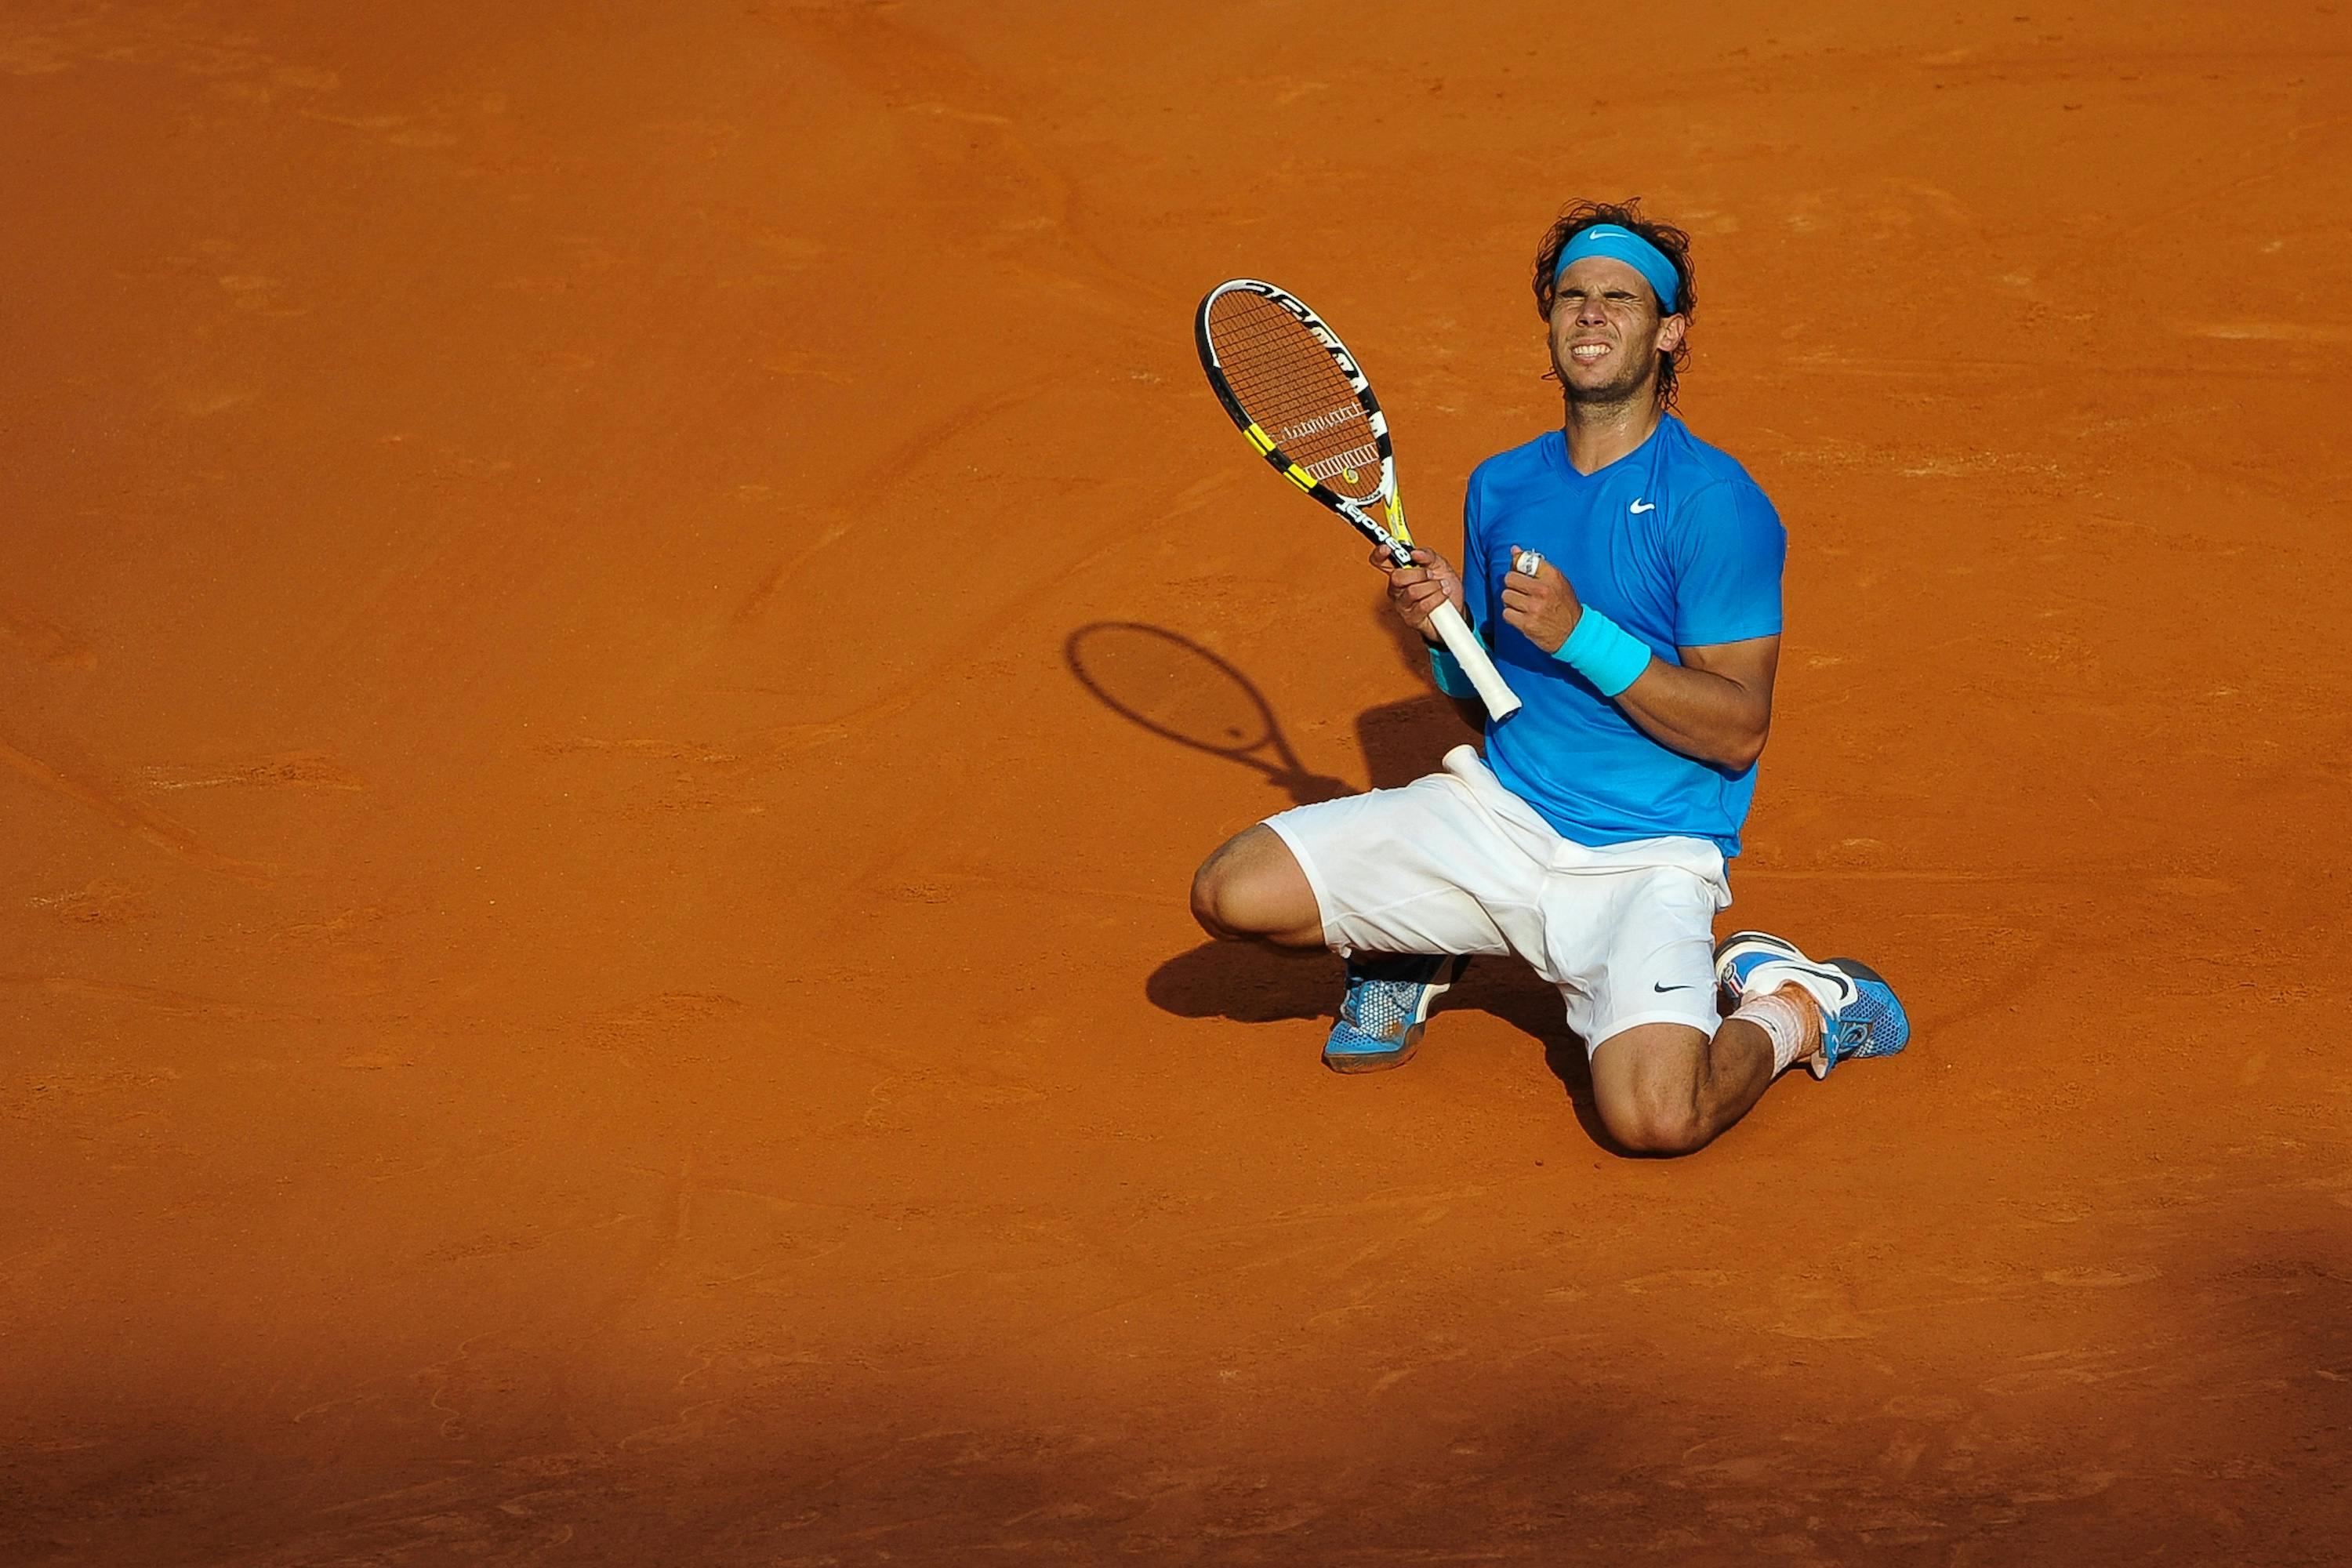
{"points": [[1574, 220]]}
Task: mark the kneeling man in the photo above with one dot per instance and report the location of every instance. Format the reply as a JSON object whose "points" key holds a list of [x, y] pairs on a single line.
{"points": [[1627, 576]]}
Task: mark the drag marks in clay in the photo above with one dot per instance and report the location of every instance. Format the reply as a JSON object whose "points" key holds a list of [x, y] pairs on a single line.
{"points": [[131, 818], [42, 637], [291, 769], [101, 902]]}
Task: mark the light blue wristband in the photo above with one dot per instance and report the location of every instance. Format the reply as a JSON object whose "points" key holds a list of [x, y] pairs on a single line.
{"points": [[1452, 679], [1604, 653]]}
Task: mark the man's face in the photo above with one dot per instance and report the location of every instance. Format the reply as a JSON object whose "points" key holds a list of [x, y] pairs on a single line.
{"points": [[1606, 333]]}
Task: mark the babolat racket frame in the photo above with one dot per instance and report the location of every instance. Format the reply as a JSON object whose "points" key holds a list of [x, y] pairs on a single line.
{"points": [[1329, 439]]}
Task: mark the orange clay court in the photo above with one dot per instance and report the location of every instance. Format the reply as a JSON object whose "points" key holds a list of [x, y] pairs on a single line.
{"points": [[620, 628]]}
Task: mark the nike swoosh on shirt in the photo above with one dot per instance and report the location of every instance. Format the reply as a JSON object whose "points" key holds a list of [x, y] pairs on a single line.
{"points": [[1643, 506], [1654, 986]]}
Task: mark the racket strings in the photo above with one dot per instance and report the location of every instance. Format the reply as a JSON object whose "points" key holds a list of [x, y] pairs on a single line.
{"points": [[1292, 389]]}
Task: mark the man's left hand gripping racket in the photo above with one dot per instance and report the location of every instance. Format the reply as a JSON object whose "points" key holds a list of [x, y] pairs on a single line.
{"points": [[1296, 392]]}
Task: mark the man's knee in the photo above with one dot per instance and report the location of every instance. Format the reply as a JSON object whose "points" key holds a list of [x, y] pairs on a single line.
{"points": [[1218, 898], [1647, 1082], [1650, 1125], [1211, 894], [1251, 887]]}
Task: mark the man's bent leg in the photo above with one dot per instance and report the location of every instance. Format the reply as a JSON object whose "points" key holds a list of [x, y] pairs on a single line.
{"points": [[1395, 880], [1251, 888], [1668, 1088], [1254, 888], [1858, 1013]]}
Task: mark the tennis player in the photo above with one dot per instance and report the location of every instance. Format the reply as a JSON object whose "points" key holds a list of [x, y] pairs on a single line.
{"points": [[1627, 576]]}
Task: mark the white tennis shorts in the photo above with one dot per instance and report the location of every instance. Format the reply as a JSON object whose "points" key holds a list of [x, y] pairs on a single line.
{"points": [[1456, 863]]}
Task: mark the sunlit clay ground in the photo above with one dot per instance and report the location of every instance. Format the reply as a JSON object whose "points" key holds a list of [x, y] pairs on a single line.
{"points": [[620, 627]]}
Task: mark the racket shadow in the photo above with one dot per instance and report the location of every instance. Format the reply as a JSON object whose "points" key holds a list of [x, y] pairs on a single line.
{"points": [[1167, 684]]}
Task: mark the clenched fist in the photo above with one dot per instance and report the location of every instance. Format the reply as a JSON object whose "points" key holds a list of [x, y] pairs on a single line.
{"points": [[1542, 605]]}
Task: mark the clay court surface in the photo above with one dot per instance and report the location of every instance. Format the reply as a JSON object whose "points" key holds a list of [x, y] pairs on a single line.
{"points": [[592, 606]]}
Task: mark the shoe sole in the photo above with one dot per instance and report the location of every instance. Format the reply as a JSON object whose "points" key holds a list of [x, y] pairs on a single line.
{"points": [[1372, 1061]]}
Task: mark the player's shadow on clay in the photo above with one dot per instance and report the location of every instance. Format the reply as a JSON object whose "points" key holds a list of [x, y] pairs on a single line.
{"points": [[1252, 984], [1408, 740]]}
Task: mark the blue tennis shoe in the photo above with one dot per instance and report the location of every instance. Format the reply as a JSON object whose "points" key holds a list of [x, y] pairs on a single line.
{"points": [[1861, 1015], [1386, 1008]]}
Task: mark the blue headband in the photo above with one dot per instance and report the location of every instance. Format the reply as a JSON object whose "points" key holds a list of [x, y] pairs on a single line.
{"points": [[1623, 245]]}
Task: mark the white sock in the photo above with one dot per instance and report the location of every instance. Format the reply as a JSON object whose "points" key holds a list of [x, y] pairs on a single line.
{"points": [[1789, 1020]]}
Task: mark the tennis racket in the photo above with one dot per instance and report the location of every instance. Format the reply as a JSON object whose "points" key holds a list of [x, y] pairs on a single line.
{"points": [[1278, 368]]}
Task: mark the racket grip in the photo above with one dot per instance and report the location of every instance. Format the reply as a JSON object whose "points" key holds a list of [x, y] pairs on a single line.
{"points": [[1471, 655]]}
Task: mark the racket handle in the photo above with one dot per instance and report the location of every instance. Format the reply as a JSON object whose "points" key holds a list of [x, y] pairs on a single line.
{"points": [[1471, 655]]}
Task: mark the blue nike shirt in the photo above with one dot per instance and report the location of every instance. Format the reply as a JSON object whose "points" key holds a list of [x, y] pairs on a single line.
{"points": [[1676, 544]]}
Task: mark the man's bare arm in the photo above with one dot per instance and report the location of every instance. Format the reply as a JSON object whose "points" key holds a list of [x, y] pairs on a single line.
{"points": [[1716, 705]]}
